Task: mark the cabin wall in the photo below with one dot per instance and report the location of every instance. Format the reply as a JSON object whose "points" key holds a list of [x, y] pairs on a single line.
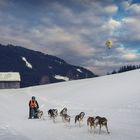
{"points": [[9, 84]]}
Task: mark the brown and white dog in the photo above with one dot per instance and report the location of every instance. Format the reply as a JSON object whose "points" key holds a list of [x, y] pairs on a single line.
{"points": [[64, 115], [90, 122], [101, 121], [79, 117]]}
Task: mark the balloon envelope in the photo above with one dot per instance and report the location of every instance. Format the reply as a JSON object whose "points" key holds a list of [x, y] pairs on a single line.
{"points": [[108, 44]]}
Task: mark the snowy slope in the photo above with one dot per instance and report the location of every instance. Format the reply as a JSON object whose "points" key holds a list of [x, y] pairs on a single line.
{"points": [[117, 97]]}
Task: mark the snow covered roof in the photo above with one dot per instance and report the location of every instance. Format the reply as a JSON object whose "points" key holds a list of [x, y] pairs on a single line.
{"points": [[10, 76]]}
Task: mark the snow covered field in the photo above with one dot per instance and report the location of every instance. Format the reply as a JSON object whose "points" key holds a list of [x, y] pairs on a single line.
{"points": [[116, 97]]}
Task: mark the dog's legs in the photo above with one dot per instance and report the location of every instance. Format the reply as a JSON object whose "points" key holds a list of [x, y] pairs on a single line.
{"points": [[43, 117], [63, 119], [94, 127], [75, 121], [69, 121], [79, 123], [90, 127], [75, 124], [107, 129], [100, 129], [53, 119]]}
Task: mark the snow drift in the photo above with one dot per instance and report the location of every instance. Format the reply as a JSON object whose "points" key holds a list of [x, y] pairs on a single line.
{"points": [[116, 97]]}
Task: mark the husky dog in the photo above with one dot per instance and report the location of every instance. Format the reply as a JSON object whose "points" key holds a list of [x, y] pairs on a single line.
{"points": [[65, 118], [79, 117], [101, 121], [39, 114], [53, 113], [64, 115], [63, 111], [91, 122]]}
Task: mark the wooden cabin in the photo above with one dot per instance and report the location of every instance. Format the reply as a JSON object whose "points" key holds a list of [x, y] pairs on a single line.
{"points": [[9, 80]]}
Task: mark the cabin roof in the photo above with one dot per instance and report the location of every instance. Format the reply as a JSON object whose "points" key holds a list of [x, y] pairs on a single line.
{"points": [[10, 76]]}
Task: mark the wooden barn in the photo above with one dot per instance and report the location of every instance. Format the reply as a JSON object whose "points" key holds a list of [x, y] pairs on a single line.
{"points": [[9, 80]]}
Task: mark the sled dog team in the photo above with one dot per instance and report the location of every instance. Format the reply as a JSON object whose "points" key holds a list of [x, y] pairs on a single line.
{"points": [[92, 122]]}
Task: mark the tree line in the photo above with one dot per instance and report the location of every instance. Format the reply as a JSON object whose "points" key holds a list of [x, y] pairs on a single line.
{"points": [[125, 69]]}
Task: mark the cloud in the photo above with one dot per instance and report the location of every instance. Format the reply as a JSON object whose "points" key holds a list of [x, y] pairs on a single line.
{"points": [[126, 4], [62, 43], [131, 30], [132, 8], [111, 9], [75, 31], [130, 56], [101, 8], [113, 24]]}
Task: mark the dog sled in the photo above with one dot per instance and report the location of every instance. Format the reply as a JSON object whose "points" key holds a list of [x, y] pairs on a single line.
{"points": [[36, 114]]}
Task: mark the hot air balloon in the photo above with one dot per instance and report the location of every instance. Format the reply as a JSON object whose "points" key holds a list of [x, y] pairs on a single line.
{"points": [[108, 44]]}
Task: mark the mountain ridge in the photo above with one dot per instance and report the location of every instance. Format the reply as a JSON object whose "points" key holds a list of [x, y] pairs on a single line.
{"points": [[37, 68]]}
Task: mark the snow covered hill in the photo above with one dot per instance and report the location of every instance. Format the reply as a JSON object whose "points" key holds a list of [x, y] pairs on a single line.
{"points": [[37, 68], [116, 97]]}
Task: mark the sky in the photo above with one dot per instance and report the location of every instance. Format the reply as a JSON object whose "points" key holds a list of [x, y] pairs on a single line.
{"points": [[75, 30]]}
